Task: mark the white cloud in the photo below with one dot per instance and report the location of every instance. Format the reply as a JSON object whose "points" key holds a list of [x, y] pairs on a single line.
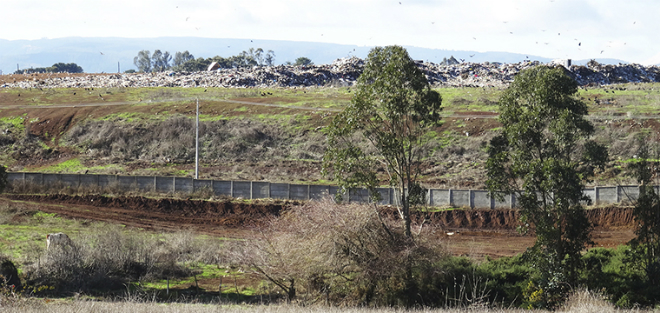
{"points": [[624, 30]]}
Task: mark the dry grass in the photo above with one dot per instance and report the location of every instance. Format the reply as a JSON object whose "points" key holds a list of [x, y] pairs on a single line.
{"points": [[138, 307], [585, 301], [107, 258], [582, 301]]}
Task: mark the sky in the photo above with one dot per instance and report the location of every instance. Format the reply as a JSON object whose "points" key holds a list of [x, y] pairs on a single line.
{"points": [[558, 29]]}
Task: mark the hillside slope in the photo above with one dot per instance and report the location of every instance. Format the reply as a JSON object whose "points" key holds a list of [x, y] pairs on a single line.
{"points": [[271, 134]]}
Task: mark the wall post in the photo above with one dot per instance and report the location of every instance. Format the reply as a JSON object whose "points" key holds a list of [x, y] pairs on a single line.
{"points": [[471, 199]]}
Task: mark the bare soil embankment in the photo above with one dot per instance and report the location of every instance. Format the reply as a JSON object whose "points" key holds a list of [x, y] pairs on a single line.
{"points": [[473, 232]]}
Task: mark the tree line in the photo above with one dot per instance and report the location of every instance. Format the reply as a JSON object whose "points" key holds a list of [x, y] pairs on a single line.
{"points": [[55, 68], [160, 61]]}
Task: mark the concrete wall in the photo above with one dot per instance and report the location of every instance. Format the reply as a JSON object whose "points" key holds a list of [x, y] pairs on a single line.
{"points": [[262, 190]]}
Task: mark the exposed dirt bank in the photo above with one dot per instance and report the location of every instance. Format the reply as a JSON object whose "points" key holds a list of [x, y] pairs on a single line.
{"points": [[464, 232]]}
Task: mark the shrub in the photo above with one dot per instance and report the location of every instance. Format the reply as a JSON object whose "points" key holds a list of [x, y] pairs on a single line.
{"points": [[343, 253], [9, 275], [107, 259]]}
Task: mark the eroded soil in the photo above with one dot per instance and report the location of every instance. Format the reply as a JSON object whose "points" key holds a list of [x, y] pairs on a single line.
{"points": [[475, 233]]}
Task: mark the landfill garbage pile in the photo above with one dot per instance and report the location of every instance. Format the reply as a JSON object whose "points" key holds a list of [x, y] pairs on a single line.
{"points": [[342, 72]]}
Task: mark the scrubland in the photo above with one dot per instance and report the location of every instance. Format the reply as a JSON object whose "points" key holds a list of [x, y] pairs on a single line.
{"points": [[335, 258]]}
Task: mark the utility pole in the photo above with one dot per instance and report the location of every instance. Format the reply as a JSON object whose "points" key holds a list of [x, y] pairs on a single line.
{"points": [[197, 143], [118, 70]]}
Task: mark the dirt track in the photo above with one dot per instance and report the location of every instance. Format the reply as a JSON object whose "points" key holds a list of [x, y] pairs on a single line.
{"points": [[475, 232]]}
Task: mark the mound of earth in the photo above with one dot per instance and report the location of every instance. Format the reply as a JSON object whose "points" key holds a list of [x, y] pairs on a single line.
{"points": [[211, 217]]}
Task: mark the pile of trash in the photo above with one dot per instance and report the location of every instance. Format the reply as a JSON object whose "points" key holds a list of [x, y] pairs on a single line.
{"points": [[343, 72]]}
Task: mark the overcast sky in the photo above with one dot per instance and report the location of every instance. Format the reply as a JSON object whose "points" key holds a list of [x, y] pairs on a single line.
{"points": [[576, 29]]}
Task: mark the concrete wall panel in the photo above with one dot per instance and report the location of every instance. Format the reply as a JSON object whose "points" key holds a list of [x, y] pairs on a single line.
{"points": [[628, 194], [260, 190], [318, 192], [439, 197], [183, 184], [279, 191], [164, 184], [299, 192], [607, 195], [242, 189], [480, 199], [222, 188], [460, 198], [145, 183]]}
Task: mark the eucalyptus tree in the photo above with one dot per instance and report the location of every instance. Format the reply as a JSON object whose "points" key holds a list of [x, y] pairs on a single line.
{"points": [[645, 247], [269, 59], [160, 61], [383, 128], [182, 57], [143, 61], [304, 61], [544, 156]]}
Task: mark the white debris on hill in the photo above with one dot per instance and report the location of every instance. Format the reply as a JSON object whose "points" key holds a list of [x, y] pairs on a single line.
{"points": [[344, 72]]}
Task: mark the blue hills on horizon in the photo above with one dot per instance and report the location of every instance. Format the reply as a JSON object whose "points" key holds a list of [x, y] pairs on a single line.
{"points": [[115, 54]]}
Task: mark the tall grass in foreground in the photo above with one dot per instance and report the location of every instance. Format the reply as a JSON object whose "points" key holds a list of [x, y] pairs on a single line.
{"points": [[582, 302]]}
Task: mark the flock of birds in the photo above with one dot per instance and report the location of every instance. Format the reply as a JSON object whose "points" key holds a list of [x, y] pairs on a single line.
{"points": [[579, 43]]}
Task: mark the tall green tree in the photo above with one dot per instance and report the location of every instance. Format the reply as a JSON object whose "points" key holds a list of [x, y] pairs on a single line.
{"points": [[182, 57], [384, 127], [269, 59], [143, 61], [66, 68], [160, 61], [544, 156], [304, 61], [645, 248]]}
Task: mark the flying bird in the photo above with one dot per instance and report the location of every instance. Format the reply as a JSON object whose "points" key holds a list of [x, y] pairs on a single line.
{"points": [[579, 44], [475, 38], [471, 55], [101, 53], [601, 51], [187, 18]]}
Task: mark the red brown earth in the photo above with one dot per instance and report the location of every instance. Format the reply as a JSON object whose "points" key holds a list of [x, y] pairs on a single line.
{"points": [[475, 233]]}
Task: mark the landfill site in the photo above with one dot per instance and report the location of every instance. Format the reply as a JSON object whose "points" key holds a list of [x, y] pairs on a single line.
{"points": [[282, 143], [342, 72]]}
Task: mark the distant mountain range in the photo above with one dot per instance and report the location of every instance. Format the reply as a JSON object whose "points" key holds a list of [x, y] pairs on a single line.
{"points": [[112, 54]]}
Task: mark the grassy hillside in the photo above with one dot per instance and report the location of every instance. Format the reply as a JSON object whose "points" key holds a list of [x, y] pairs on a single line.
{"points": [[268, 134]]}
